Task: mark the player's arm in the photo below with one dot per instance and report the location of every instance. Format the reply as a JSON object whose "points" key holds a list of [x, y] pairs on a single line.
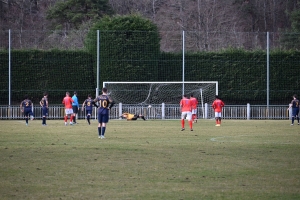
{"points": [[112, 103], [94, 103], [83, 105], [21, 106]]}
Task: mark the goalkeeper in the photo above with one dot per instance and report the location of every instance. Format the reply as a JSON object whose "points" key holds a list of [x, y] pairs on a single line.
{"points": [[130, 116]]}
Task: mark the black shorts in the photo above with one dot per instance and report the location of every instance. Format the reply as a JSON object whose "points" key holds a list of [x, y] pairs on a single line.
{"points": [[135, 117], [75, 109]]}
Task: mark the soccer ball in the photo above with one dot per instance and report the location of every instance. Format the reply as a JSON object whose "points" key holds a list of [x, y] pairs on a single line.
{"points": [[149, 106]]}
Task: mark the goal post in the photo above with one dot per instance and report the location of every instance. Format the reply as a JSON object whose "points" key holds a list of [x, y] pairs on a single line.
{"points": [[150, 93]]}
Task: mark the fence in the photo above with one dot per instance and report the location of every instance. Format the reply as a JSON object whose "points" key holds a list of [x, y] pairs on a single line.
{"points": [[229, 72], [162, 111]]}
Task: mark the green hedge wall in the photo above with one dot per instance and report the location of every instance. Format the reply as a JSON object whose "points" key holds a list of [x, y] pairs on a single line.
{"points": [[33, 72], [242, 75]]}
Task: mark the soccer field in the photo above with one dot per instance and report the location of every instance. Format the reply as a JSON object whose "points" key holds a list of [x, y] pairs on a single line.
{"points": [[153, 159]]}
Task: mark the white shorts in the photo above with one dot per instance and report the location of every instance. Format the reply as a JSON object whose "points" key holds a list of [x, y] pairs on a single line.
{"points": [[68, 111], [187, 114], [194, 111], [218, 114]]}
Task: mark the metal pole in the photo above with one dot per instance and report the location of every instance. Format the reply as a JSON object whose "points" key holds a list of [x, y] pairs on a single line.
{"points": [[182, 62], [268, 76], [9, 69], [98, 61]]}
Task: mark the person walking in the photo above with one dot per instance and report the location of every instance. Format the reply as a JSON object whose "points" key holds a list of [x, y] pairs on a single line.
{"points": [[67, 101], [88, 105], [186, 112], [295, 109], [75, 107], [194, 102], [45, 105], [105, 103], [26, 108], [217, 105]]}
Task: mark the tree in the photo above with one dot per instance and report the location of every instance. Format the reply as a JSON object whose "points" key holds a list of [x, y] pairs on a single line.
{"points": [[72, 13], [128, 44], [291, 39]]}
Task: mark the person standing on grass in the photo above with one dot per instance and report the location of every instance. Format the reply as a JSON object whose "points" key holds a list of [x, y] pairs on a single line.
{"points": [[217, 105], [67, 101], [45, 105], [75, 107], [194, 102], [105, 103], [26, 108], [186, 112], [295, 109], [88, 104]]}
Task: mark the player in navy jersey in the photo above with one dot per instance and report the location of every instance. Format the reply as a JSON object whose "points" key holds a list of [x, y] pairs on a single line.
{"points": [[26, 108], [88, 104], [45, 105], [105, 103], [295, 109]]}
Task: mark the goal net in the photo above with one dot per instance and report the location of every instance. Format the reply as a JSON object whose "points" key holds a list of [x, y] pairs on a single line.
{"points": [[149, 93]]}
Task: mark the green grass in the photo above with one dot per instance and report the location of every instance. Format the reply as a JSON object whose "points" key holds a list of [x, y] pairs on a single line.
{"points": [[150, 160]]}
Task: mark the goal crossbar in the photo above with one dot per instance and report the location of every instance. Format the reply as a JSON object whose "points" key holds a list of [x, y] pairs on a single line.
{"points": [[146, 93]]}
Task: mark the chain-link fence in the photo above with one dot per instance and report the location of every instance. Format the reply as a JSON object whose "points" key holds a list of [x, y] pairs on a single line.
{"points": [[74, 69]]}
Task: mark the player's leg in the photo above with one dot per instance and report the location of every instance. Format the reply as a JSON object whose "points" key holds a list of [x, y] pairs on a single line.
{"points": [[142, 116], [183, 115], [71, 116], [99, 124], [189, 118], [75, 111], [293, 116], [216, 118], [26, 112], [44, 112], [31, 115], [66, 116], [297, 115], [104, 122], [88, 116]]}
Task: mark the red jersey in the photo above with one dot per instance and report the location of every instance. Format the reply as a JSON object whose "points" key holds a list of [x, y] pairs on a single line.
{"points": [[194, 102], [218, 105], [68, 102], [185, 105]]}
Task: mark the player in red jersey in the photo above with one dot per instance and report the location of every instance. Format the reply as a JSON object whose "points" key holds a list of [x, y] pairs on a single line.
{"points": [[67, 101], [186, 112], [217, 105], [194, 102]]}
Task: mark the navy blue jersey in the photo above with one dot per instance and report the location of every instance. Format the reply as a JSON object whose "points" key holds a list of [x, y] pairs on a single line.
{"points": [[295, 103], [88, 104], [44, 102], [26, 104], [104, 102]]}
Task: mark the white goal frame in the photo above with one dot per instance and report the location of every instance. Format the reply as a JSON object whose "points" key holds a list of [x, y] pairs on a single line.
{"points": [[179, 82]]}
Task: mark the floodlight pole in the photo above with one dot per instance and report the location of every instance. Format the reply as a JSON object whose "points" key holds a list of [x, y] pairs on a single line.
{"points": [[183, 62], [9, 70], [268, 76], [98, 61]]}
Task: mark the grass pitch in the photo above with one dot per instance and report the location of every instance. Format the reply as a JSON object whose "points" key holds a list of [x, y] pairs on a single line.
{"points": [[150, 160]]}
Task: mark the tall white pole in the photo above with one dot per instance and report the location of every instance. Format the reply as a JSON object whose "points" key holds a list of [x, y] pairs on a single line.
{"points": [[183, 62], [268, 76], [98, 61], [9, 69]]}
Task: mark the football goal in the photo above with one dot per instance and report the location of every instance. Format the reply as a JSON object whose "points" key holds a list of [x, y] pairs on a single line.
{"points": [[149, 93]]}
